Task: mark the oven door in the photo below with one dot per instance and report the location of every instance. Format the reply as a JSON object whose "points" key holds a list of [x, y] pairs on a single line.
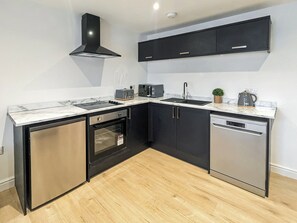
{"points": [[107, 138]]}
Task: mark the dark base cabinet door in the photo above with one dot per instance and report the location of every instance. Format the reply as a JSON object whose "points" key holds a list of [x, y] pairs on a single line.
{"points": [[163, 127], [192, 136], [181, 132], [137, 136]]}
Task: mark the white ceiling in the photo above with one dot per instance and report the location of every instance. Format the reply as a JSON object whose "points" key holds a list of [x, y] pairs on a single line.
{"points": [[139, 16]]}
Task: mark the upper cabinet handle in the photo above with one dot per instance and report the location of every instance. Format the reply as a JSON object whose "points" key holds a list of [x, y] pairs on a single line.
{"points": [[149, 57], [184, 53], [239, 47]]}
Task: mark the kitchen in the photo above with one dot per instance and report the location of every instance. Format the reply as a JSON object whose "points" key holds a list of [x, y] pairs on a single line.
{"points": [[37, 68]]}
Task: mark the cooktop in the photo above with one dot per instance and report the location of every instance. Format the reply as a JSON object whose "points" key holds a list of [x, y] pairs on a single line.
{"points": [[97, 104]]}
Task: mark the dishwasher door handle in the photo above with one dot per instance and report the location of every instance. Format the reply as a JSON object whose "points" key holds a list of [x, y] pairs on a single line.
{"points": [[250, 132]]}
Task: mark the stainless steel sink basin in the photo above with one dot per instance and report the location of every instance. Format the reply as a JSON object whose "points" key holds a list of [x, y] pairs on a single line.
{"points": [[175, 100], [187, 101]]}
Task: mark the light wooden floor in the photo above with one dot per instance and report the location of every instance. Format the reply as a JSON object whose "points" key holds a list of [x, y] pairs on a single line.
{"points": [[154, 187]]}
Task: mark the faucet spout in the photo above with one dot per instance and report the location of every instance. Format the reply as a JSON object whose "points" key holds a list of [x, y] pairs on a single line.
{"points": [[184, 90]]}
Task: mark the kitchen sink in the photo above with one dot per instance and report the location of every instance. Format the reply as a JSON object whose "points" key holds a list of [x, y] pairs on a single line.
{"points": [[175, 100], [187, 101]]}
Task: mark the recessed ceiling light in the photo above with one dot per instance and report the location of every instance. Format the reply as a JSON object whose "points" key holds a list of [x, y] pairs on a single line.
{"points": [[171, 15], [156, 6]]}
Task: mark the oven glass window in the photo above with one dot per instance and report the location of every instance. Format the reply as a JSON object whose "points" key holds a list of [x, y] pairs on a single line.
{"points": [[108, 137]]}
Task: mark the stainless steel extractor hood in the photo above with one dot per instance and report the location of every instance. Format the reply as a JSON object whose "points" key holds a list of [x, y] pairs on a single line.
{"points": [[90, 28]]}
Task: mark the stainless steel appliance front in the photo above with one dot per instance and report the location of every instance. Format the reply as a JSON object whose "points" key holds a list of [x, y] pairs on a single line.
{"points": [[107, 117], [57, 158], [107, 134], [151, 90], [238, 152]]}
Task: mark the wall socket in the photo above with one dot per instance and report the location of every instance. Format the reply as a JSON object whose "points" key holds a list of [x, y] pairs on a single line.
{"points": [[1, 150]]}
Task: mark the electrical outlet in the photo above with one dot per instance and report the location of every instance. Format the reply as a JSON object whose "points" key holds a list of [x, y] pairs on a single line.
{"points": [[1, 150]]}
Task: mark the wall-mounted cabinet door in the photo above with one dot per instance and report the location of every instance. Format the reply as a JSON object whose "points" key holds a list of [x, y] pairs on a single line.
{"points": [[195, 44], [247, 36], [146, 51], [164, 48]]}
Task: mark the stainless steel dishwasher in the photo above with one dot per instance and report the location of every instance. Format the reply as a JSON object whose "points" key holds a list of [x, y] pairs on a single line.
{"points": [[238, 152], [57, 159]]}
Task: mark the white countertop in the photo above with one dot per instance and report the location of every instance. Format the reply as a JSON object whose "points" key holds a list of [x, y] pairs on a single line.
{"points": [[40, 112]]}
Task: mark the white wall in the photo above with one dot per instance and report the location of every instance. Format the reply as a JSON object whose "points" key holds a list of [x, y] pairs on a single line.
{"points": [[273, 76], [35, 66]]}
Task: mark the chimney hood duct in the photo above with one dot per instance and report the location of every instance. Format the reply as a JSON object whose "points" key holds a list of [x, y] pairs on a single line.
{"points": [[90, 28]]}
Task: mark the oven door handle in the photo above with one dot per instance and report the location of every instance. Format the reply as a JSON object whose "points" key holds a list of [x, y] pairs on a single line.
{"points": [[105, 124]]}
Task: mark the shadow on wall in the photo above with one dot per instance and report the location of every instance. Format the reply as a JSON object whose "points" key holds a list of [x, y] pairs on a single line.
{"points": [[238, 62], [88, 72]]}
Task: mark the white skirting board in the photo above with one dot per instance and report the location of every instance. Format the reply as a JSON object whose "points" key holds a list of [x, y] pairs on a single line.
{"points": [[284, 171], [6, 183]]}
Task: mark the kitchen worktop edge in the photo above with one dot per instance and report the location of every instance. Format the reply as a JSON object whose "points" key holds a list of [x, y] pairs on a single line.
{"points": [[59, 111]]}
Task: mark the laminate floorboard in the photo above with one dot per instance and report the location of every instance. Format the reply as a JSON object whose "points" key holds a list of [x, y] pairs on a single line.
{"points": [[155, 187]]}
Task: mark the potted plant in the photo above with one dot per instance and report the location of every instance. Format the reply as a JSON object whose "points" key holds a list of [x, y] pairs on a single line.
{"points": [[218, 95]]}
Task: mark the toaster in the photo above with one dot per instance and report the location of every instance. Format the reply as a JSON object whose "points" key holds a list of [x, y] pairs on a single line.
{"points": [[151, 90], [124, 94]]}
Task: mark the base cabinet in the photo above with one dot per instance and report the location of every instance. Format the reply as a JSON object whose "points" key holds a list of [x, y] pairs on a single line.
{"points": [[137, 133], [181, 132], [192, 135]]}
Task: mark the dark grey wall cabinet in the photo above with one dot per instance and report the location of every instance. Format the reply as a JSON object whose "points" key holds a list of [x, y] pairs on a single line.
{"points": [[195, 44], [179, 46], [137, 134], [181, 132], [146, 51], [246, 36]]}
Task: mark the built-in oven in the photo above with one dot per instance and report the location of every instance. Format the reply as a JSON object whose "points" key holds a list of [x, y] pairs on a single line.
{"points": [[107, 140]]}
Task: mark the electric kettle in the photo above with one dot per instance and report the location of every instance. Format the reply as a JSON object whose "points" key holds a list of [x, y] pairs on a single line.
{"points": [[246, 99]]}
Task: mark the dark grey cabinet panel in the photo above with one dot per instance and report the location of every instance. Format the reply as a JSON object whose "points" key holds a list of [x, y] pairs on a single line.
{"points": [[192, 135], [185, 45], [244, 37], [163, 127], [164, 48], [137, 134], [181, 132], [146, 50], [20, 165], [195, 44]]}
